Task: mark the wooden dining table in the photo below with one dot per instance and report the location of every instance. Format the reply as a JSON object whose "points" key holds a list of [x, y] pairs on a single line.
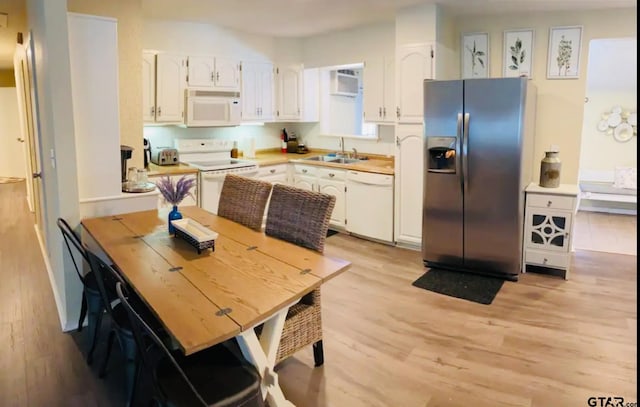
{"points": [[206, 298]]}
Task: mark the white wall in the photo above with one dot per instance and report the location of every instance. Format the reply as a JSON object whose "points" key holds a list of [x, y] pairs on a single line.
{"points": [[12, 155], [608, 85]]}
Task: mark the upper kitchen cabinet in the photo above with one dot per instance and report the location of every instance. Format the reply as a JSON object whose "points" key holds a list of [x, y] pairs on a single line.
{"points": [[379, 90], [213, 73], [414, 64], [171, 72], [289, 84], [148, 86], [257, 94]]}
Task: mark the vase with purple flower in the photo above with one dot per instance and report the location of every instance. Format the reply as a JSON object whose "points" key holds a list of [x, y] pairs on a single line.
{"points": [[173, 193]]}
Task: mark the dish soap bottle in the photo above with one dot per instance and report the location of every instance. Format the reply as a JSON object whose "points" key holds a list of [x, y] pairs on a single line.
{"points": [[234, 150]]}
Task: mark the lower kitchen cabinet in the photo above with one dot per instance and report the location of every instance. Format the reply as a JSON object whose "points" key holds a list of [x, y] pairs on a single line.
{"points": [[328, 180], [548, 232], [189, 200], [276, 174]]}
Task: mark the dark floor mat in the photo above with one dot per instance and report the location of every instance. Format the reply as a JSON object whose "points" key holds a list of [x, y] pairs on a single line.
{"points": [[467, 286], [331, 232]]}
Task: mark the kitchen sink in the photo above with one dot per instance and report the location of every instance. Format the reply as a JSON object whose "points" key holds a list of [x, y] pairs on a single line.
{"points": [[333, 159]]}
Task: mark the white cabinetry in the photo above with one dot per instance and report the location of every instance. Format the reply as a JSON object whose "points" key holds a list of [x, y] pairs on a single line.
{"points": [[257, 91], [311, 95], [379, 90], [276, 174], [189, 200], [415, 63], [148, 86], [213, 73], [548, 233], [409, 157], [171, 82], [289, 83], [328, 180]]}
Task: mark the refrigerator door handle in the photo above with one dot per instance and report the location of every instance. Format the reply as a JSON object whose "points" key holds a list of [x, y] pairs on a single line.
{"points": [[459, 142], [465, 152]]}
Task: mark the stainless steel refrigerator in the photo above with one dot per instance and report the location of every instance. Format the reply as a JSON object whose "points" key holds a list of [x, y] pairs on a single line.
{"points": [[478, 138]]}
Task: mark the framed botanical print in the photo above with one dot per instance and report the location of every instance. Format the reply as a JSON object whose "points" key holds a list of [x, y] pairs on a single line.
{"points": [[517, 59], [475, 55], [564, 52]]}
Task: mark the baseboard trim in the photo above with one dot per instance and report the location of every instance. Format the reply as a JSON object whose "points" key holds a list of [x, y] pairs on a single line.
{"points": [[64, 324]]}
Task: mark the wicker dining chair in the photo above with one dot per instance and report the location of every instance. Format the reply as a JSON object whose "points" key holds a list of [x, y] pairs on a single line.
{"points": [[244, 200], [301, 217]]}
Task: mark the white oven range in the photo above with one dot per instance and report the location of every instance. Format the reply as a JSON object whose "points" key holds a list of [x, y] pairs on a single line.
{"points": [[212, 159]]}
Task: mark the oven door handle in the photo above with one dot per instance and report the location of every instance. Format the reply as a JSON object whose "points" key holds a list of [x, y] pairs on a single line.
{"points": [[218, 176]]}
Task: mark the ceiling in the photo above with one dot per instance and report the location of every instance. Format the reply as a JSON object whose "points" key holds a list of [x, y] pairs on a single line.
{"points": [[300, 18]]}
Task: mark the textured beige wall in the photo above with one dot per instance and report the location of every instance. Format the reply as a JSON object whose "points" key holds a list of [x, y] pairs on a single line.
{"points": [[7, 78], [560, 102], [129, 16]]}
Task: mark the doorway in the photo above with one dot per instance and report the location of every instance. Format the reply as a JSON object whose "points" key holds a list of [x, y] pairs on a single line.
{"points": [[610, 101]]}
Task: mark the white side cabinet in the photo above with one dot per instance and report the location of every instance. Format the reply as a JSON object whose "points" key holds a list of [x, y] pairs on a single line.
{"points": [[548, 231], [409, 157], [275, 174], [213, 73], [289, 84], [171, 82], [189, 200], [257, 94]]}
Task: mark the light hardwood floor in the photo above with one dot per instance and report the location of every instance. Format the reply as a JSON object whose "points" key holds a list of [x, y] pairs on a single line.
{"points": [[542, 342]]}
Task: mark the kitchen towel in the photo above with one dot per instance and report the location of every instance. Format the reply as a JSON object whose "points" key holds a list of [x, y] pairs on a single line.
{"points": [[467, 286]]}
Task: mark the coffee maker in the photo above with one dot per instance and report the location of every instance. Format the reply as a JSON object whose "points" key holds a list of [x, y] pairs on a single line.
{"points": [[125, 154], [147, 153]]}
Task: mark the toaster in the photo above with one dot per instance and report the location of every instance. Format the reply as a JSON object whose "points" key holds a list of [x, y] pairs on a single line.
{"points": [[164, 155]]}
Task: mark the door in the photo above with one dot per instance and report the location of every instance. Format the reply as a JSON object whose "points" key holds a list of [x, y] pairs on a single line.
{"points": [[408, 184], [442, 228], [415, 64], [492, 160], [25, 70]]}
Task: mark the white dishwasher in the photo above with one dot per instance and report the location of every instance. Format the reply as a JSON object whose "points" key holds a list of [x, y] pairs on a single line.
{"points": [[370, 205]]}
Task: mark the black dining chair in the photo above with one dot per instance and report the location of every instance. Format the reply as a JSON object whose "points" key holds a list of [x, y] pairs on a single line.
{"points": [[120, 329], [217, 376], [92, 304], [301, 217]]}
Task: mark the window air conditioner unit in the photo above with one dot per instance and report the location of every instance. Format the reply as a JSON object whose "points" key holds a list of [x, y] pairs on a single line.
{"points": [[344, 84]]}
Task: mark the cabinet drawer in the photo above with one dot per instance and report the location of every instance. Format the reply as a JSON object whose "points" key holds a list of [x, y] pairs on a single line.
{"points": [[272, 170], [304, 170], [546, 259], [551, 201], [331, 173]]}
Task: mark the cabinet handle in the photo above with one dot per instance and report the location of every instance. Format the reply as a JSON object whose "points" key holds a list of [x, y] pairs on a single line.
{"points": [[153, 110], [217, 76], [272, 171], [549, 203], [380, 112], [212, 78], [332, 174], [398, 112], [384, 112], [545, 260], [304, 171], [159, 111]]}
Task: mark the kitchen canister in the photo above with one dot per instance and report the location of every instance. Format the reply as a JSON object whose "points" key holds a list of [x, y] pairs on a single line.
{"points": [[550, 170]]}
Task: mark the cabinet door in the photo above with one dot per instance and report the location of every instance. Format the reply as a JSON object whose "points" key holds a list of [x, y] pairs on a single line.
{"points": [[148, 86], [290, 82], [201, 72], [265, 91], [170, 86], [227, 74], [373, 89], [335, 188], [414, 65], [389, 99], [409, 184], [547, 229], [304, 182], [250, 88]]}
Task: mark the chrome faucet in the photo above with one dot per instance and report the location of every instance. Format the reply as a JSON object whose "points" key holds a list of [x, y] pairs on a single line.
{"points": [[355, 153], [342, 145]]}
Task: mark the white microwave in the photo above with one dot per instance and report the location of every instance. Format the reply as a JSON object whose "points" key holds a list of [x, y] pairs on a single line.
{"points": [[205, 108]]}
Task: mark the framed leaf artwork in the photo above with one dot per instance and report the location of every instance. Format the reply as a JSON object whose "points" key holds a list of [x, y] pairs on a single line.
{"points": [[475, 55], [518, 53], [564, 52]]}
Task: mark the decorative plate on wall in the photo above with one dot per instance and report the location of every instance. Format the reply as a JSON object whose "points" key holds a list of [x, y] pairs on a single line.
{"points": [[623, 132], [603, 125], [614, 120]]}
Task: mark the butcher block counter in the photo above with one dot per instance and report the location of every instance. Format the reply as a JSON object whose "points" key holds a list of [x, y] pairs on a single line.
{"points": [[378, 164]]}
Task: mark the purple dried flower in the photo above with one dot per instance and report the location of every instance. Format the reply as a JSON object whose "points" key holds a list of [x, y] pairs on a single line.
{"points": [[174, 193]]}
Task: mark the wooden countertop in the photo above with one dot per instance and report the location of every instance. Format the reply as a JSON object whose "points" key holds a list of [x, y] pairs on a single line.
{"points": [[376, 163], [177, 169]]}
